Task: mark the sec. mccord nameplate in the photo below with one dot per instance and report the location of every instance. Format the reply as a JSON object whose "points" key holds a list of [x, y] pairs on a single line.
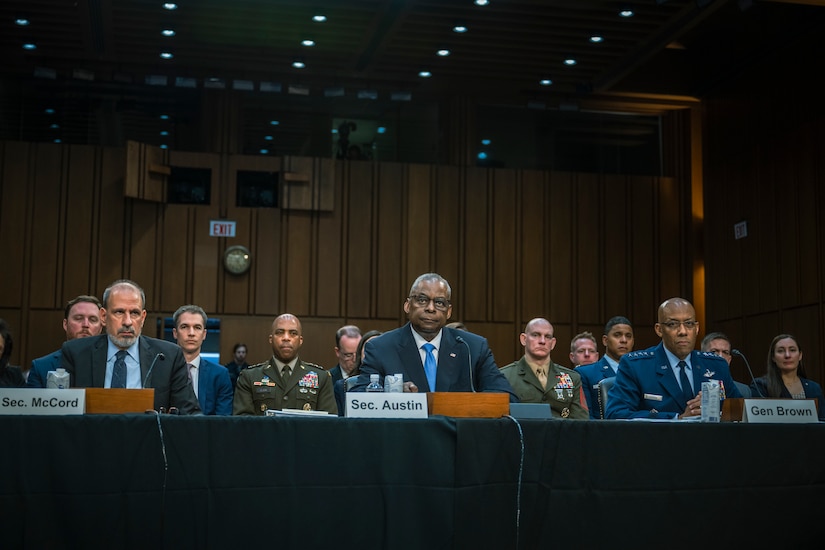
{"points": [[780, 411], [386, 405], [41, 401]]}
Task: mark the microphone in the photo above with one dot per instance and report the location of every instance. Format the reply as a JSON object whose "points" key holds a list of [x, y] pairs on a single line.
{"points": [[753, 379], [160, 356], [469, 360]]}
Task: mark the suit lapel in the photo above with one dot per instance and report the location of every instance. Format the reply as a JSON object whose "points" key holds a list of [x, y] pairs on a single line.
{"points": [[410, 358], [146, 358], [449, 370], [203, 375], [529, 376], [667, 378], [99, 351]]}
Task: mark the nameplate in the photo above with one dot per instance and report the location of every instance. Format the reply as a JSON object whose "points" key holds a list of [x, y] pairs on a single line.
{"points": [[780, 411], [41, 401], [386, 405]]}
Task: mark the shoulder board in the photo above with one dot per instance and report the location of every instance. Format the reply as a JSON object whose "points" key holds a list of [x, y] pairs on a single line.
{"points": [[510, 366], [562, 368], [642, 354], [259, 365], [708, 354], [306, 365]]}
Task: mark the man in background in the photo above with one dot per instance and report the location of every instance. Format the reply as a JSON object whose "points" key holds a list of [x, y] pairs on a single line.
{"points": [[537, 379], [617, 340], [237, 364], [81, 318], [583, 350], [347, 339], [210, 381]]}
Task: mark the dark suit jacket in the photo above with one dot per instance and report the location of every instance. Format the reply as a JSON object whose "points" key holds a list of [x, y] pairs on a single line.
{"points": [[40, 369], [591, 376], [812, 390], [395, 352], [85, 359], [335, 372], [214, 389], [646, 387]]}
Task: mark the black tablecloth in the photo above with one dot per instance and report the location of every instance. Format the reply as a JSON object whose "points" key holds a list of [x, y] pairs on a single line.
{"points": [[103, 481]]}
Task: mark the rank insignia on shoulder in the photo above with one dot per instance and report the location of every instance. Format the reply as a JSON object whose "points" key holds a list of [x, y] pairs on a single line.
{"points": [[639, 354]]}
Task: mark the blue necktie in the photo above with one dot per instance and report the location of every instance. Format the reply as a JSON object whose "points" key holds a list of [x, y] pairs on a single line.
{"points": [[686, 389], [430, 365], [119, 372]]}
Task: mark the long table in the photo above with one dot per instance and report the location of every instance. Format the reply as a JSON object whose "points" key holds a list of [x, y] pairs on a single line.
{"points": [[139, 481]]}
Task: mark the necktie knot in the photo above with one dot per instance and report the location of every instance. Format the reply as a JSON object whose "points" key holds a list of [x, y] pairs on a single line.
{"points": [[428, 347], [121, 355]]}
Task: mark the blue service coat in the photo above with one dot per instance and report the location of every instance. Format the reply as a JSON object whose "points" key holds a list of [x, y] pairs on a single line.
{"points": [[591, 375], [215, 391]]}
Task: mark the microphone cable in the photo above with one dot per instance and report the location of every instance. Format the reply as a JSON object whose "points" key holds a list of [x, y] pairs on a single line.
{"points": [[520, 475]]}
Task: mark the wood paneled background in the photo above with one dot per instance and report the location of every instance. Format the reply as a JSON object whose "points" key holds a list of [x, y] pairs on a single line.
{"points": [[515, 244]]}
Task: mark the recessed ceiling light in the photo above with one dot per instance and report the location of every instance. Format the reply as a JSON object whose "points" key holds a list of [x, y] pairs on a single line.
{"points": [[58, 140], [381, 130], [167, 32], [170, 6], [268, 138], [482, 2], [627, 12], [482, 156], [164, 146], [29, 46], [49, 111], [164, 132], [54, 126], [164, 117], [264, 151], [460, 29], [485, 142], [167, 55], [274, 122], [570, 61], [319, 18], [443, 52], [22, 21], [425, 74], [596, 38], [308, 43], [545, 82], [298, 64]]}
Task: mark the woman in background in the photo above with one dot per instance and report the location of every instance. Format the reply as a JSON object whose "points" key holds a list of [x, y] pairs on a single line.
{"points": [[785, 376], [10, 377]]}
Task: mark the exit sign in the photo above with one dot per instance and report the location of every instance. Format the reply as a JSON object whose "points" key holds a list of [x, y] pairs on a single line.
{"points": [[222, 228]]}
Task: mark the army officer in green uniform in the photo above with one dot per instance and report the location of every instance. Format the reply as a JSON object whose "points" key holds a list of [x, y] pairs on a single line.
{"points": [[284, 382], [537, 379]]}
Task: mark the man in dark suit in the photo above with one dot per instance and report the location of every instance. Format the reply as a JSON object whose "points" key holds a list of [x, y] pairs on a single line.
{"points": [[346, 344], [123, 358], [430, 356], [617, 340], [81, 318], [665, 381], [210, 381]]}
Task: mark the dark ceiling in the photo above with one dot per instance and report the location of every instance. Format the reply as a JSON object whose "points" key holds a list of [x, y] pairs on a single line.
{"points": [[98, 64]]}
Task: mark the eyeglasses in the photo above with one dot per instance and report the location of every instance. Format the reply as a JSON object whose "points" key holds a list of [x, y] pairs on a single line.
{"points": [[421, 300], [674, 325]]}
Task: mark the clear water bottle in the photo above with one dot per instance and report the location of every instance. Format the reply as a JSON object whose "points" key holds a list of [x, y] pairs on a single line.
{"points": [[57, 379], [374, 385]]}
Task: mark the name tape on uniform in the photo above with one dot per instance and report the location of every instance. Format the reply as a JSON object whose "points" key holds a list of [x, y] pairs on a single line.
{"points": [[386, 405], [41, 401]]}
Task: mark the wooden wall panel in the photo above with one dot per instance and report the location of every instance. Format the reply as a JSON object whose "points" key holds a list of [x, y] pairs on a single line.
{"points": [[810, 245], [15, 217], [533, 251], [615, 225], [587, 253], [475, 294], [48, 186], [671, 240], [391, 256], [510, 242], [559, 275]]}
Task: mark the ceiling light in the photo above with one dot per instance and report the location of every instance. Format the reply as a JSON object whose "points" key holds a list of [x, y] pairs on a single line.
{"points": [[627, 12], [22, 21], [167, 55], [274, 122], [319, 18], [298, 64], [170, 6], [54, 126], [596, 38], [485, 142], [482, 2], [308, 43], [482, 156], [570, 61], [425, 74], [270, 87], [545, 82], [164, 146], [460, 29], [268, 138], [264, 151], [167, 32], [381, 130], [58, 140], [164, 117], [444, 52], [49, 111], [164, 132], [29, 46], [367, 94]]}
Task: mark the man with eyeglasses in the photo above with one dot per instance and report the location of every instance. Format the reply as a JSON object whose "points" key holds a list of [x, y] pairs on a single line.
{"points": [[665, 381], [346, 344], [430, 356], [124, 358]]}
